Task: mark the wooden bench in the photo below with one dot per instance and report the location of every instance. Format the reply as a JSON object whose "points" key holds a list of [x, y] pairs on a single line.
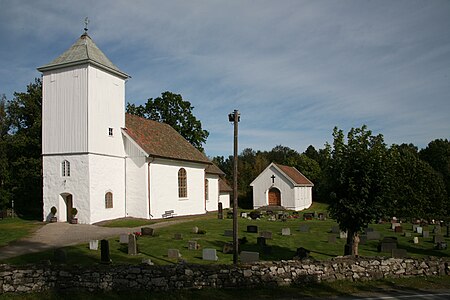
{"points": [[169, 214]]}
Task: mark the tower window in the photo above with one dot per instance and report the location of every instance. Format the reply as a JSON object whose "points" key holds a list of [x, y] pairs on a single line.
{"points": [[65, 168], [110, 131]]}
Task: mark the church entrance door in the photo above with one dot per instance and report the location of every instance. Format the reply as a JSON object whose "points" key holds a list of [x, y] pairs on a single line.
{"points": [[69, 206], [274, 197]]}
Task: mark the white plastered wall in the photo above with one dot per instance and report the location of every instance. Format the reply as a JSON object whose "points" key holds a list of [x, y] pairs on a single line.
{"points": [[212, 203], [303, 197], [224, 198], [55, 185], [107, 174], [164, 188]]}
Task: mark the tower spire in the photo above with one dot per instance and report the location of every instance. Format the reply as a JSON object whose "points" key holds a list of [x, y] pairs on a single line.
{"points": [[86, 22]]}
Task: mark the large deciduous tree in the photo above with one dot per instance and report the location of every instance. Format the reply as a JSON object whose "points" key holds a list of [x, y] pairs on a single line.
{"points": [[357, 175], [171, 109], [4, 170]]}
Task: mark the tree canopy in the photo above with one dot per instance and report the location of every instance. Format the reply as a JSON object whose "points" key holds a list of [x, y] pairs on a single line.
{"points": [[171, 109]]}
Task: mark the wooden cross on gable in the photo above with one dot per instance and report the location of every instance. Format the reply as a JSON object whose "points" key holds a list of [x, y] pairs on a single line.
{"points": [[273, 178]]}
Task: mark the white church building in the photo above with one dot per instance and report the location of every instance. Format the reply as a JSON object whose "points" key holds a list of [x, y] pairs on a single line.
{"points": [[108, 164]]}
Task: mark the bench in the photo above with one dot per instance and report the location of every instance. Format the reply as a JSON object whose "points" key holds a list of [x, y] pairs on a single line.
{"points": [[169, 214]]}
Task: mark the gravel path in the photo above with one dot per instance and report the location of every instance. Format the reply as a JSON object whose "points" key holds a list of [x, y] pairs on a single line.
{"points": [[56, 235]]}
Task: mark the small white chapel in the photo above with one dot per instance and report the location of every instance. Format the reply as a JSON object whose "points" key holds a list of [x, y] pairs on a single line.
{"points": [[108, 164]]}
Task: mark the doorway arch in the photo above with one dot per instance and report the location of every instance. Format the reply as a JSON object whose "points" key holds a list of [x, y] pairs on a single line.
{"points": [[65, 211], [274, 197]]}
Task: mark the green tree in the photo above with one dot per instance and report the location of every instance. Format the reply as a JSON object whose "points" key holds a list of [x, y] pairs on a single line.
{"points": [[4, 170], [416, 189], [171, 109], [437, 154], [312, 153], [24, 150], [357, 177]]}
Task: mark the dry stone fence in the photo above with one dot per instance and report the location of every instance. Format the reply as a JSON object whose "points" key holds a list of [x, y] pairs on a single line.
{"points": [[186, 276]]}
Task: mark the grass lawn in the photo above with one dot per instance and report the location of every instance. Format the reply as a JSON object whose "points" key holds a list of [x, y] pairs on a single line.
{"points": [[127, 222], [12, 229], [281, 247]]}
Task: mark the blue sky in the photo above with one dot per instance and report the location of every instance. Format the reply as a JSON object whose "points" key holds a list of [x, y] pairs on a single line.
{"points": [[294, 69]]}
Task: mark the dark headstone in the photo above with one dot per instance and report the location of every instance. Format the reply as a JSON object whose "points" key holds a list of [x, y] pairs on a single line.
{"points": [[322, 217], [441, 246], [132, 244], [252, 228], [261, 241], [147, 231], [307, 216], [104, 248], [60, 256], [192, 245], [304, 228], [220, 211], [387, 244], [425, 234], [302, 253], [178, 236], [399, 253], [255, 215], [249, 257], [335, 229]]}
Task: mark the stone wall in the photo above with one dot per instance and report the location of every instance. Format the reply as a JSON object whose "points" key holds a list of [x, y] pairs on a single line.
{"points": [[185, 276]]}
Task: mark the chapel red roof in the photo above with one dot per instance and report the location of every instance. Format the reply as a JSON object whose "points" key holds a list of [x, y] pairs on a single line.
{"points": [[295, 175], [161, 140]]}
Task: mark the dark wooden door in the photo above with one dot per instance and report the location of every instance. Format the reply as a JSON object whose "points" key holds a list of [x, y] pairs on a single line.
{"points": [[274, 197], [69, 205]]}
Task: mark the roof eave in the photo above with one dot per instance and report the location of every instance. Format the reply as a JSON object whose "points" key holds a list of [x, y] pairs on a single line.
{"points": [[81, 62]]}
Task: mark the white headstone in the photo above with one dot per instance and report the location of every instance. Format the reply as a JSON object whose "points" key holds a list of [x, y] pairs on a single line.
{"points": [[419, 230], [123, 238], [209, 254], [416, 240], [244, 215], [285, 231], [343, 235], [93, 245]]}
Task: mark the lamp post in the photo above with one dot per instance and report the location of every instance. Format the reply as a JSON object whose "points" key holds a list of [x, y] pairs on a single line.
{"points": [[235, 118]]}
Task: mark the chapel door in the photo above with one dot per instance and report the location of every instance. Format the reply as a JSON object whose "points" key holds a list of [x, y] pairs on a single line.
{"points": [[69, 205], [274, 197]]}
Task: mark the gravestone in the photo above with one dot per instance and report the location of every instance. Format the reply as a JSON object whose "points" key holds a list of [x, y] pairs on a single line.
{"points": [[416, 240], [173, 253], [441, 246], [228, 232], [266, 234], [60, 256], [195, 229], [398, 229], [387, 244], [261, 241], [322, 217], [147, 261], [148, 231], [123, 238], [252, 228], [438, 239], [229, 215], [335, 229], [304, 228], [407, 234], [104, 248], [220, 211], [425, 234], [227, 248], [414, 227], [343, 234], [192, 245], [209, 254], [93, 245], [399, 253], [373, 235], [419, 229], [249, 257], [331, 239], [302, 253], [285, 231], [132, 244], [178, 236], [244, 215]]}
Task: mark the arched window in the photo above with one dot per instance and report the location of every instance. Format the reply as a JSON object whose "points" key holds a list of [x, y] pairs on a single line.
{"points": [[206, 189], [108, 200], [65, 168], [182, 183]]}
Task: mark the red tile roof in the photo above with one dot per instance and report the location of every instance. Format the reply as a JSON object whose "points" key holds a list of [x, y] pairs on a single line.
{"points": [[161, 140], [295, 175]]}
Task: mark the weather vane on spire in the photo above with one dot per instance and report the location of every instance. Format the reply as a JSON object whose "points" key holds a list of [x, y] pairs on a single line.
{"points": [[86, 22]]}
